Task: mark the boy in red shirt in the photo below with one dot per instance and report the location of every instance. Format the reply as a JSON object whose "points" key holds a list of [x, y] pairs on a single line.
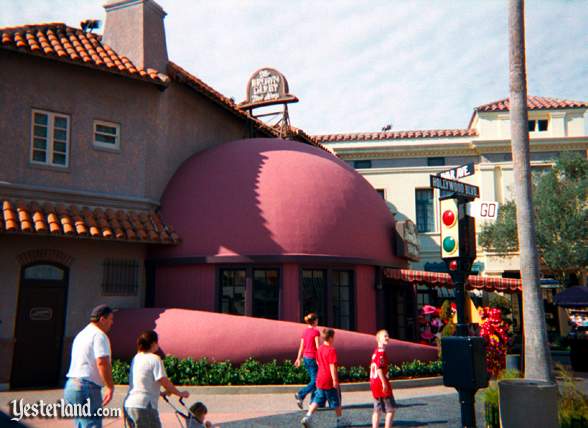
{"points": [[327, 381], [379, 383]]}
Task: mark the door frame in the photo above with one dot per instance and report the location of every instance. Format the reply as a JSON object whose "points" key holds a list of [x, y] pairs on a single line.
{"points": [[23, 283]]}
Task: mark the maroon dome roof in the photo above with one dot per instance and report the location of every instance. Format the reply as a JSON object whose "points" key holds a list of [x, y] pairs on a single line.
{"points": [[270, 197]]}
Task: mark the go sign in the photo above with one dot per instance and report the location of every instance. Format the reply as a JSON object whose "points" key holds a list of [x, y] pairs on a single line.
{"points": [[483, 210]]}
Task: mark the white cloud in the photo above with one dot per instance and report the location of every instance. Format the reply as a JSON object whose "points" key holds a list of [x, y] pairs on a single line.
{"points": [[357, 66]]}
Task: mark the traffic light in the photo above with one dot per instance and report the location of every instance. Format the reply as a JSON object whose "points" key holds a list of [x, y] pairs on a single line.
{"points": [[450, 244]]}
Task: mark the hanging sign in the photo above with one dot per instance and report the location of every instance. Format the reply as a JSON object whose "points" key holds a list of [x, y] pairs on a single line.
{"points": [[483, 210], [407, 241], [266, 87], [457, 187], [459, 172]]}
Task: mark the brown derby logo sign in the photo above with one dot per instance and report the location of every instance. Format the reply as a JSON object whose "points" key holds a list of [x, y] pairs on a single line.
{"points": [[266, 87]]}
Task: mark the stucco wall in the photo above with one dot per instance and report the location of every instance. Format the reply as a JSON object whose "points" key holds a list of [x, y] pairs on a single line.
{"points": [[189, 286], [84, 287], [290, 296], [562, 123], [159, 128], [188, 123], [365, 299], [85, 95]]}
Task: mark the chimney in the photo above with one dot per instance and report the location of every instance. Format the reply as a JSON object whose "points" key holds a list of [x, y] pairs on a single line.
{"points": [[134, 28]]}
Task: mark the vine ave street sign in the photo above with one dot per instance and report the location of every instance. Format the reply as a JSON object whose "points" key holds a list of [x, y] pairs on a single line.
{"points": [[459, 172], [457, 187]]}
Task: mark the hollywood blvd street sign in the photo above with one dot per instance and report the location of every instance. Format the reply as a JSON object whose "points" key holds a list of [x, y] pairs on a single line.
{"points": [[457, 187], [459, 172]]}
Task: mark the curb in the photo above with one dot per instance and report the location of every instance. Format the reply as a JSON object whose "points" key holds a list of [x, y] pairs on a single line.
{"points": [[285, 389]]}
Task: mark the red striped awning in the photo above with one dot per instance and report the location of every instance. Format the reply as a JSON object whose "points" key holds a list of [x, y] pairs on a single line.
{"points": [[439, 279]]}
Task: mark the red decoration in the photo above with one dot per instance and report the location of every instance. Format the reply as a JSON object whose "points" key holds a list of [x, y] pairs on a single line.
{"points": [[493, 329], [495, 333]]}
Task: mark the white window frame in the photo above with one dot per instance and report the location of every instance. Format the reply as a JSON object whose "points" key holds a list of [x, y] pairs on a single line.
{"points": [[107, 146], [50, 138], [536, 121]]}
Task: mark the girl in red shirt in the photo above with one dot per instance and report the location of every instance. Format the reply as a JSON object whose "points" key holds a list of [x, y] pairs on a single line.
{"points": [[309, 343]]}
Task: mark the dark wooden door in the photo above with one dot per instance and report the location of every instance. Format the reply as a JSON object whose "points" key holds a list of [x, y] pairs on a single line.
{"points": [[400, 310], [39, 329]]}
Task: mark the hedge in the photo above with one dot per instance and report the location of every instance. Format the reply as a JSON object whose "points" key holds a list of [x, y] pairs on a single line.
{"points": [[252, 372]]}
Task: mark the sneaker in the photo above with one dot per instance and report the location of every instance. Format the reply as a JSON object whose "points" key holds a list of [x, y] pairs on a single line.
{"points": [[298, 400], [305, 421], [343, 422]]}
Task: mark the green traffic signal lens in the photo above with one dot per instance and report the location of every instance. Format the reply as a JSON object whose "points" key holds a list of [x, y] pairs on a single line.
{"points": [[449, 244]]}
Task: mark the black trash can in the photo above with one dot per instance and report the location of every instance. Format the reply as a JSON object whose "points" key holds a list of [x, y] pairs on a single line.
{"points": [[579, 352], [527, 403]]}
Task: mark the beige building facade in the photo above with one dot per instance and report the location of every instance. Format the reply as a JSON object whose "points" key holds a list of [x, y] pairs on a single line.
{"points": [[398, 165]]}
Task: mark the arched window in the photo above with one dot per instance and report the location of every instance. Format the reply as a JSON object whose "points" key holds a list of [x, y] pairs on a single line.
{"points": [[43, 271]]}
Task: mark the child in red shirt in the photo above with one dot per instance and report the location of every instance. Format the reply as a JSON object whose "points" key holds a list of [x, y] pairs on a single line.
{"points": [[327, 381], [309, 344], [379, 383]]}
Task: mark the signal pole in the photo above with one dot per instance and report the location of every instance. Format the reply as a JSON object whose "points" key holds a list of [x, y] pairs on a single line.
{"points": [[463, 356]]}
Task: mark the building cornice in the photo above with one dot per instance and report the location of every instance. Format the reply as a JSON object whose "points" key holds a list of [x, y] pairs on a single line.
{"points": [[536, 144], [90, 199], [470, 148]]}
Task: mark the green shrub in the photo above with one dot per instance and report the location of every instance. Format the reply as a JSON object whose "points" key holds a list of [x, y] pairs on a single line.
{"points": [[343, 374], [293, 375], [490, 397], [252, 372], [573, 404], [358, 373], [120, 372]]}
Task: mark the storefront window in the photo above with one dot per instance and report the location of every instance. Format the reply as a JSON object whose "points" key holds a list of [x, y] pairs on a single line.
{"points": [[266, 293], [314, 293], [232, 291], [342, 299]]}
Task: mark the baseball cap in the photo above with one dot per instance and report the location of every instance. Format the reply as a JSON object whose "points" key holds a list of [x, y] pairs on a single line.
{"points": [[100, 311]]}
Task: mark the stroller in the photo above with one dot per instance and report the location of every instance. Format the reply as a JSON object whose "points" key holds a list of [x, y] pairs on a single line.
{"points": [[184, 416]]}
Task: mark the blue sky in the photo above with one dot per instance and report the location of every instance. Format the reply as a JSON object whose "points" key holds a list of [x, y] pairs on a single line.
{"points": [[359, 65]]}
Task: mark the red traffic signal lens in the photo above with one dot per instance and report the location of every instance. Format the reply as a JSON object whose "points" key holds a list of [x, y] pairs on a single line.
{"points": [[448, 217], [453, 265]]}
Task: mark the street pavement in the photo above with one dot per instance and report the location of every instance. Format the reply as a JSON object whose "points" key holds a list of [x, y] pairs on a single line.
{"points": [[431, 407]]}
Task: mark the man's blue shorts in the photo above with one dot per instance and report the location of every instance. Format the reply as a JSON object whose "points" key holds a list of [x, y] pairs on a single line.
{"points": [[330, 395]]}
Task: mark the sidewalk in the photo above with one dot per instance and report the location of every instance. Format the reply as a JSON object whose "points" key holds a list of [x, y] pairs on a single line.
{"points": [[242, 410], [426, 406]]}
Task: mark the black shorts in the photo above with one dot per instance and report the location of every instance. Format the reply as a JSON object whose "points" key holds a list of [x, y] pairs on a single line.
{"points": [[386, 405]]}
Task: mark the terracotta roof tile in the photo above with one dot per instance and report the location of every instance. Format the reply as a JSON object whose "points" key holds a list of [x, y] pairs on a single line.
{"points": [[75, 221], [533, 103], [396, 135], [57, 40]]}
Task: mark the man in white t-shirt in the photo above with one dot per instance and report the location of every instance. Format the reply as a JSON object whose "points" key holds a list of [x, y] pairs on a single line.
{"points": [[90, 367]]}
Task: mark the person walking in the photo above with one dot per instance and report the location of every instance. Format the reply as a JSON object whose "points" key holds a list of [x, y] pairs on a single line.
{"points": [[309, 344], [380, 385], [327, 381], [146, 377], [90, 369]]}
